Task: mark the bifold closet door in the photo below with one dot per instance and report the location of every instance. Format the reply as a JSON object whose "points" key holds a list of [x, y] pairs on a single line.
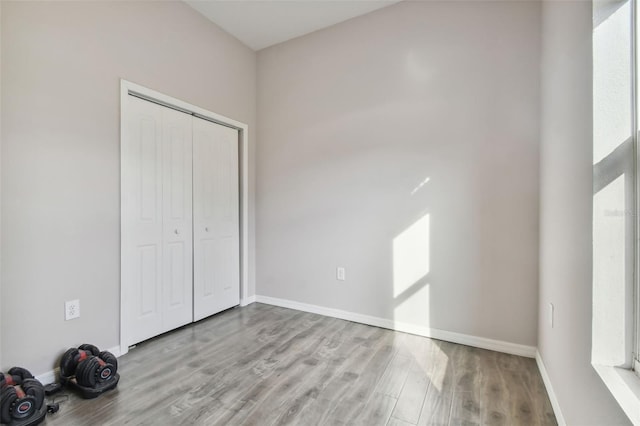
{"points": [[216, 223], [157, 221]]}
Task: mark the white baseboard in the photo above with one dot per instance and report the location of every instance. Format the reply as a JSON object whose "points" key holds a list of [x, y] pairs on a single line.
{"points": [[248, 300], [464, 339], [115, 351], [552, 395], [48, 377], [52, 375]]}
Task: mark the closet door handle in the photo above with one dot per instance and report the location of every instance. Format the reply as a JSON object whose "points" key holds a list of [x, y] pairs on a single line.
{"points": [[206, 229], [176, 232]]}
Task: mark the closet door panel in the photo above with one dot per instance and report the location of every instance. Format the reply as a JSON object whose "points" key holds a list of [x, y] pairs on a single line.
{"points": [[177, 219], [142, 219], [216, 218]]}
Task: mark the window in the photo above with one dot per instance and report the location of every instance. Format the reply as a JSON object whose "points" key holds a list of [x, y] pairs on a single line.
{"points": [[613, 184], [616, 299]]}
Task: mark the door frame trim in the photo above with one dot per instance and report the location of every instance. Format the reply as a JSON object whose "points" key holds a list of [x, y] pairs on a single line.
{"points": [[128, 88]]}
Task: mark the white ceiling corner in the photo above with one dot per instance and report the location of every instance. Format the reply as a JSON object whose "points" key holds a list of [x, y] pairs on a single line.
{"points": [[263, 23]]}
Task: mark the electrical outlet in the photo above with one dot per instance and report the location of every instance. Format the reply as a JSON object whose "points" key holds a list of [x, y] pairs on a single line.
{"points": [[341, 273], [71, 309]]}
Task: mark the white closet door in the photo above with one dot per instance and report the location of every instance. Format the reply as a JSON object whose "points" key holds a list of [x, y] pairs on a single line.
{"points": [[156, 220], [216, 227], [142, 219], [177, 219]]}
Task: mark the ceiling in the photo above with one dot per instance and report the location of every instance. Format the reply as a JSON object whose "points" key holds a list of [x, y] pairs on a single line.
{"points": [[263, 23]]}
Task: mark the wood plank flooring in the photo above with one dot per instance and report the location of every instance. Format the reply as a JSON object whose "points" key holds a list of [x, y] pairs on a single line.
{"points": [[264, 365]]}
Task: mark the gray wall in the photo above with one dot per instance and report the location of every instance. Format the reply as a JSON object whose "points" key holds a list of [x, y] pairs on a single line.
{"points": [[566, 217], [354, 119], [61, 65]]}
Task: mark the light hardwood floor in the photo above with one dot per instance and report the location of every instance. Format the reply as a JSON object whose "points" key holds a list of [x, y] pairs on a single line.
{"points": [[263, 365]]}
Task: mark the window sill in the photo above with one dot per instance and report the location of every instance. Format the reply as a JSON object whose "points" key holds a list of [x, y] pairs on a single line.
{"points": [[624, 385]]}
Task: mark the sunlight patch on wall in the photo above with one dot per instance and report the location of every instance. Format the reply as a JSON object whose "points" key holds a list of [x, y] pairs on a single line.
{"points": [[420, 185], [411, 255]]}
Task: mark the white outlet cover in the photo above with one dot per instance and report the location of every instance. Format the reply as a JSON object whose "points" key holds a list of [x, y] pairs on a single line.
{"points": [[71, 309]]}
